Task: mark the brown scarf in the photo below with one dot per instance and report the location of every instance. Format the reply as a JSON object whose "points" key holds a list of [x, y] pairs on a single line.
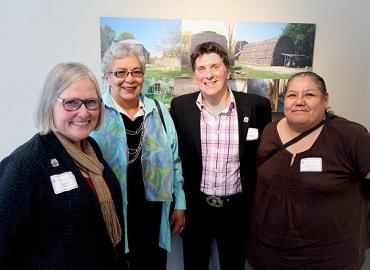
{"points": [[87, 161]]}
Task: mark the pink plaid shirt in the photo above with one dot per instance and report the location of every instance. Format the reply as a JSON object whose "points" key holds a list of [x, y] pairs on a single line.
{"points": [[220, 150]]}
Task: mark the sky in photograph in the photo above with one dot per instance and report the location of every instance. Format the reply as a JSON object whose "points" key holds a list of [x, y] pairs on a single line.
{"points": [[197, 26], [150, 32], [249, 31], [254, 32], [153, 32]]}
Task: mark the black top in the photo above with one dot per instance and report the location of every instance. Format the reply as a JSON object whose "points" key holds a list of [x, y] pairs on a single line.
{"points": [[135, 185], [143, 217]]}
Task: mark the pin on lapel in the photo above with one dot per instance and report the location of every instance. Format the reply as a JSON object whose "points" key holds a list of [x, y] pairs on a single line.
{"points": [[54, 162], [246, 119]]}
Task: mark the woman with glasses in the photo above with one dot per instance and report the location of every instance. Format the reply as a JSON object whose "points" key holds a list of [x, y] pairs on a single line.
{"points": [[142, 150], [311, 207], [60, 203]]}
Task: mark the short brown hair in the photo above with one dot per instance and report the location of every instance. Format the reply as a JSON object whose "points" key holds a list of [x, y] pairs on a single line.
{"points": [[209, 47]]}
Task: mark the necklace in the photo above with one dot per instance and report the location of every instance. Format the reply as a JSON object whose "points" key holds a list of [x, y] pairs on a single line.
{"points": [[135, 132], [135, 152]]}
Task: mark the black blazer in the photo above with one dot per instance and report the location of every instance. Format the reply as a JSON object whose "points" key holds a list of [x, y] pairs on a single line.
{"points": [[253, 112], [43, 230]]}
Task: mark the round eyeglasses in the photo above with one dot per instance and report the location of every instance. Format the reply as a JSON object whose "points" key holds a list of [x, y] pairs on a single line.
{"points": [[124, 73], [73, 104]]}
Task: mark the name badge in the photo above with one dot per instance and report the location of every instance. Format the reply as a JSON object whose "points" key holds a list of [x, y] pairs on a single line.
{"points": [[312, 164], [63, 182], [252, 134]]}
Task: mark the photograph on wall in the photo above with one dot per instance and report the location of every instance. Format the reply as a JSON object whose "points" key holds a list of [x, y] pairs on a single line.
{"points": [[262, 55]]}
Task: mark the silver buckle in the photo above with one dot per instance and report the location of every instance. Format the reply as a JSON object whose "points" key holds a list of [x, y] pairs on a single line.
{"points": [[214, 201]]}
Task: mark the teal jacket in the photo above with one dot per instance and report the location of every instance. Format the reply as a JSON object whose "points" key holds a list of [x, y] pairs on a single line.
{"points": [[162, 172]]}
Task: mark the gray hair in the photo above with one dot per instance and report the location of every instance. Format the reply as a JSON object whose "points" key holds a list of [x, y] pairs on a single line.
{"points": [[121, 50], [58, 80]]}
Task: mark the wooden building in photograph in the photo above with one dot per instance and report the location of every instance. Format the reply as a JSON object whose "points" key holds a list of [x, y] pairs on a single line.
{"points": [[268, 52]]}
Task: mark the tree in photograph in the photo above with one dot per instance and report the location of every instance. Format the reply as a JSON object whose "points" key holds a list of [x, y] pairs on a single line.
{"points": [[107, 35], [185, 47], [124, 36], [303, 37], [170, 44], [231, 40]]}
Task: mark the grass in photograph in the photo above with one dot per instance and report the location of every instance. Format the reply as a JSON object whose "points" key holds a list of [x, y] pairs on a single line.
{"points": [[242, 70]]}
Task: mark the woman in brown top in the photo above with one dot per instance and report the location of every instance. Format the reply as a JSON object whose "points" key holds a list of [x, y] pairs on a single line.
{"points": [[310, 209]]}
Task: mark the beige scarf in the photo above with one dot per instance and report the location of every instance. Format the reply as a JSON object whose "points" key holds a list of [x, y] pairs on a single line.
{"points": [[87, 161]]}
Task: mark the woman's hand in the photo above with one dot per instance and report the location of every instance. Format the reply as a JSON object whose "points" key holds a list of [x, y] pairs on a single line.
{"points": [[177, 221]]}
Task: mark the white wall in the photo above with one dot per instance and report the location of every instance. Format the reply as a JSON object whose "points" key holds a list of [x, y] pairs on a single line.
{"points": [[37, 34]]}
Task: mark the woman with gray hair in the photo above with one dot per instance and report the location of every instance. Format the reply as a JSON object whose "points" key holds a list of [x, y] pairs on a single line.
{"points": [[139, 141], [60, 203]]}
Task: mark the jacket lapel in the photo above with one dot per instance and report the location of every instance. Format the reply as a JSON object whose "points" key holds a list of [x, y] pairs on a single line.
{"points": [[194, 115], [244, 118]]}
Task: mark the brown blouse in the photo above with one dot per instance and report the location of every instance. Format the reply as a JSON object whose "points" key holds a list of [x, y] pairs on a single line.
{"points": [[305, 217]]}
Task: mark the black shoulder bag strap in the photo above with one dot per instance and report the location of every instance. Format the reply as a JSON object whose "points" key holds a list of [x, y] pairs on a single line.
{"points": [[160, 113], [297, 138]]}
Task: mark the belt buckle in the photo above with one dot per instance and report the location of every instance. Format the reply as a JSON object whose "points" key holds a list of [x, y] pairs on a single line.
{"points": [[214, 201]]}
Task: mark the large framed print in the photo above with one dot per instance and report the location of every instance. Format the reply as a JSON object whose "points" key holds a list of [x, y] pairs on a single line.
{"points": [[262, 55]]}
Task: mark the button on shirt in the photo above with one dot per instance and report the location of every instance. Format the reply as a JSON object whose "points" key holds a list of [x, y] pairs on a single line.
{"points": [[220, 150]]}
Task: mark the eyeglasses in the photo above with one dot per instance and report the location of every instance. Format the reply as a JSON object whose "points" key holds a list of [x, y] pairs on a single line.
{"points": [[124, 73], [73, 104]]}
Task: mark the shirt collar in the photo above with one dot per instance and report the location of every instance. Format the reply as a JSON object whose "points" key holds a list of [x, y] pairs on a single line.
{"points": [[139, 113], [200, 102]]}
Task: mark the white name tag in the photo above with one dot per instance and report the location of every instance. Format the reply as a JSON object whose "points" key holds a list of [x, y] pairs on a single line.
{"points": [[63, 182], [312, 164], [252, 134]]}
